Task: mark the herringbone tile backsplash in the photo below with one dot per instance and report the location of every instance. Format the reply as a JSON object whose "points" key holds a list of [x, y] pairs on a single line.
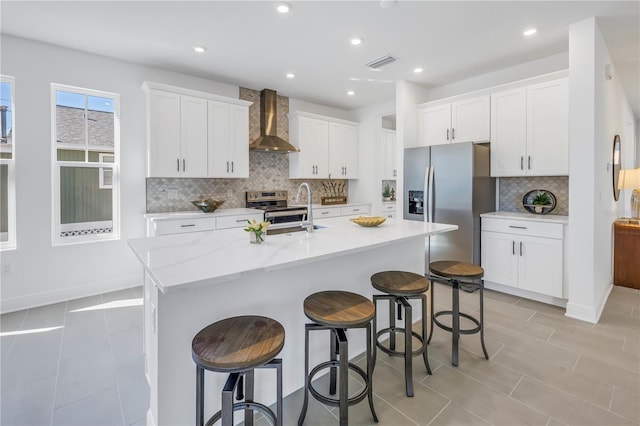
{"points": [[512, 190]]}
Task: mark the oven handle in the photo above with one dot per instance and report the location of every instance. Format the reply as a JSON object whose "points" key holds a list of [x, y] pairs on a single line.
{"points": [[285, 213]]}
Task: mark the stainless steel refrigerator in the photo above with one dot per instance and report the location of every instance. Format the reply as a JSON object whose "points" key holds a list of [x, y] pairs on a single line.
{"points": [[450, 184]]}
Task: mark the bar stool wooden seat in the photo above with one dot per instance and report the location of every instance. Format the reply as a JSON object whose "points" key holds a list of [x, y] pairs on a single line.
{"points": [[400, 287], [237, 346], [338, 311], [457, 274]]}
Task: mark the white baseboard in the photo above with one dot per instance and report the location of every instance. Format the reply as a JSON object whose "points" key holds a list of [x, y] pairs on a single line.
{"points": [[550, 300], [589, 313], [56, 296]]}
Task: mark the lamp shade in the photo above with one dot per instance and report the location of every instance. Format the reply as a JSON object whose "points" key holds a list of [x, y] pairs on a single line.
{"points": [[629, 179]]}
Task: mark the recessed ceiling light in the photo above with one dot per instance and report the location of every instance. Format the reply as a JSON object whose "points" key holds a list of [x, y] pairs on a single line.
{"points": [[351, 93], [199, 49], [283, 7], [418, 70], [354, 79], [386, 4], [290, 75], [356, 41], [529, 32]]}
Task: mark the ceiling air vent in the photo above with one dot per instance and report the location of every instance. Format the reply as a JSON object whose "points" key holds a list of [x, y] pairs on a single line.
{"points": [[381, 61]]}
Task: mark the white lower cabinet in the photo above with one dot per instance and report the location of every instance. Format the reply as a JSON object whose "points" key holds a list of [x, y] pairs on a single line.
{"points": [[341, 210], [524, 255], [388, 210], [178, 224]]}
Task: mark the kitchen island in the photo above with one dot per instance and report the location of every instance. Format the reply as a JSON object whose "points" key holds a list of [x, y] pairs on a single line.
{"points": [[192, 280]]}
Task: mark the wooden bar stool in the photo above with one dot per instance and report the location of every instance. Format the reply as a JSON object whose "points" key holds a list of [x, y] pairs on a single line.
{"points": [[237, 346], [455, 274], [400, 288], [338, 311]]}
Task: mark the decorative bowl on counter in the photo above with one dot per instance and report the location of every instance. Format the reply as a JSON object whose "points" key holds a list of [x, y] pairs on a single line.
{"points": [[207, 206], [368, 220]]}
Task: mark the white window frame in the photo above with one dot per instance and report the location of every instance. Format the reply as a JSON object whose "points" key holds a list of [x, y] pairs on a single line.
{"points": [[12, 242], [56, 226], [101, 175]]}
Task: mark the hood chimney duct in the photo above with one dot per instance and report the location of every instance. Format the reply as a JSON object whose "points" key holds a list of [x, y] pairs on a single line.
{"points": [[268, 140]]}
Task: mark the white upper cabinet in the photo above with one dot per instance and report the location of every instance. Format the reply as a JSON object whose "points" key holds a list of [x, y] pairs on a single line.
{"points": [[343, 151], [228, 140], [467, 120], [389, 167], [195, 134], [530, 130], [177, 135], [327, 146]]}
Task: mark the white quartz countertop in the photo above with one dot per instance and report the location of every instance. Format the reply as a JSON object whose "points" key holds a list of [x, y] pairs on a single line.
{"points": [[203, 258], [196, 214], [547, 218]]}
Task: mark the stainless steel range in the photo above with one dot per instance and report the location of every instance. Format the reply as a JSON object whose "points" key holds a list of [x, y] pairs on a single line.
{"points": [[276, 211]]}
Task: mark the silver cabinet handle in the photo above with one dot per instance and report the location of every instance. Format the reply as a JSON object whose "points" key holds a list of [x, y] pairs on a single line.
{"points": [[395, 172], [447, 134], [227, 167], [184, 165], [521, 163], [517, 227], [529, 162], [520, 248], [453, 134], [513, 247], [356, 210], [178, 163], [324, 213], [241, 220], [232, 167], [188, 226]]}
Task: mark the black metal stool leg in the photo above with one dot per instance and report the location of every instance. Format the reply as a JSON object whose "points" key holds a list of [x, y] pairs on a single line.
{"points": [[423, 301], [344, 376], [484, 348], [332, 371], [431, 290], [408, 347], [248, 396], [279, 408], [392, 324], [227, 399], [455, 321], [370, 372], [199, 396], [303, 412], [375, 334]]}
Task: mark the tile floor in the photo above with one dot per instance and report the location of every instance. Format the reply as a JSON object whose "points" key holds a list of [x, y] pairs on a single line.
{"points": [[81, 364]]}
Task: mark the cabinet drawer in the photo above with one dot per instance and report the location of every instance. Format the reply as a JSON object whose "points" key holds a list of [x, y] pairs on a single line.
{"points": [[326, 212], [388, 208], [225, 222], [523, 227], [354, 210], [179, 226]]}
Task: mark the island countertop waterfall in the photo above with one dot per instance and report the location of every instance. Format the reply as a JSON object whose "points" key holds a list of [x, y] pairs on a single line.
{"points": [[192, 280]]}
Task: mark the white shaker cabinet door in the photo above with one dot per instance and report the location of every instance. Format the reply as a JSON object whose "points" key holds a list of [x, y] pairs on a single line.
{"points": [[343, 151], [389, 168], [193, 140], [500, 258], [228, 140], [470, 120], [312, 137], [540, 267], [548, 128], [435, 123], [164, 135], [509, 132]]}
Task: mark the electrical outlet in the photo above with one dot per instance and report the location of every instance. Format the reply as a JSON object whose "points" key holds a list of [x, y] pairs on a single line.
{"points": [[172, 194], [6, 268]]}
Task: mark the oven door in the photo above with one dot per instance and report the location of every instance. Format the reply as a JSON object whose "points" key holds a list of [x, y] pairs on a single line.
{"points": [[285, 218]]}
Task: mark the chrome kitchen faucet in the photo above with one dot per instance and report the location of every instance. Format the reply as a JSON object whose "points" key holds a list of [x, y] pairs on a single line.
{"points": [[308, 223]]}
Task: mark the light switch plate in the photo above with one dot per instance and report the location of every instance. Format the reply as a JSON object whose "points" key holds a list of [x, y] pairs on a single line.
{"points": [[172, 194]]}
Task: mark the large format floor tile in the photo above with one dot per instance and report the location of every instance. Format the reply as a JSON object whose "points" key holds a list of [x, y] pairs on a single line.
{"points": [[81, 363]]}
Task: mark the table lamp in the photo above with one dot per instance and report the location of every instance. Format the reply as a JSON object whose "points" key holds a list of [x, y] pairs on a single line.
{"points": [[630, 179]]}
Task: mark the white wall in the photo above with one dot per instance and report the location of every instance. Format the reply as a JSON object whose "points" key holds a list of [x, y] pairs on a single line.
{"points": [[598, 111], [40, 273]]}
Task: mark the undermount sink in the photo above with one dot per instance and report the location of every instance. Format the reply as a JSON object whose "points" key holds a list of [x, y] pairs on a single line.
{"points": [[290, 229]]}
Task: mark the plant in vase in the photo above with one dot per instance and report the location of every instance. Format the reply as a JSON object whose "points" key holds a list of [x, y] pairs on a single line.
{"points": [[386, 194], [258, 231], [541, 200]]}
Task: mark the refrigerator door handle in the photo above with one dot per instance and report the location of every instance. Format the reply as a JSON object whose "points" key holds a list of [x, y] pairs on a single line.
{"points": [[428, 195]]}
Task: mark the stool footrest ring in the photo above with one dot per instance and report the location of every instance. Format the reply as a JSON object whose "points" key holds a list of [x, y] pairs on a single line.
{"points": [[391, 352], [334, 401], [256, 406], [462, 330]]}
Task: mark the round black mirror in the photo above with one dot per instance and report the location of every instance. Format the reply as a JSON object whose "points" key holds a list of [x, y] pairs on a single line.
{"points": [[615, 166]]}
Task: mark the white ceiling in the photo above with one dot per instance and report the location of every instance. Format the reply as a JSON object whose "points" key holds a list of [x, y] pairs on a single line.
{"points": [[251, 45]]}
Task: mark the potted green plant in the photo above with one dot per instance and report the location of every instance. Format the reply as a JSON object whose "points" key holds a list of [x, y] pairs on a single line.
{"points": [[541, 200], [386, 194]]}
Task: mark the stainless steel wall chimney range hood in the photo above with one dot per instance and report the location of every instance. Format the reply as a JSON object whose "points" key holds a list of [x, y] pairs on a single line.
{"points": [[268, 140]]}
